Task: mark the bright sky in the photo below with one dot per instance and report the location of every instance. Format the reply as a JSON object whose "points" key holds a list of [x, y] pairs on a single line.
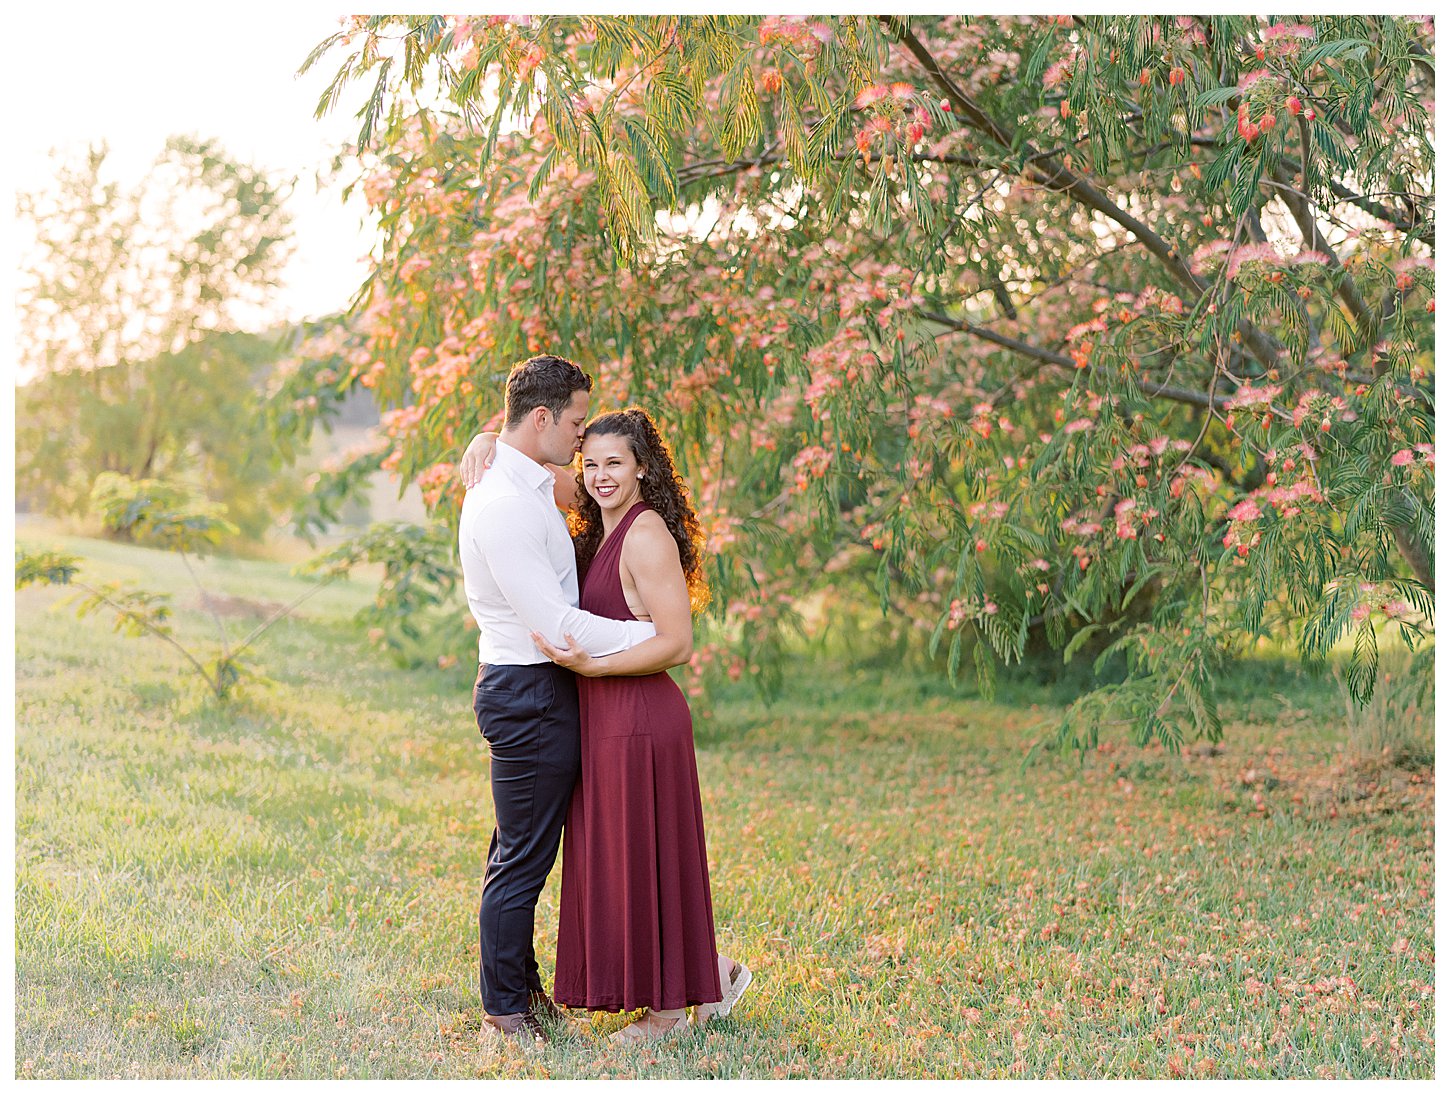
{"points": [[133, 76]]}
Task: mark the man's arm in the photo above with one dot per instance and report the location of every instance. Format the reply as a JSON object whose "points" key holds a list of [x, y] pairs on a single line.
{"points": [[653, 561], [511, 540]]}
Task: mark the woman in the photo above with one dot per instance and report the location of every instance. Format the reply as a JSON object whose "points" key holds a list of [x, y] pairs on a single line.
{"points": [[636, 924]]}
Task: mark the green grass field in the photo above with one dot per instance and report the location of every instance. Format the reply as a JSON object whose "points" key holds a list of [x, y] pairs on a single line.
{"points": [[287, 887]]}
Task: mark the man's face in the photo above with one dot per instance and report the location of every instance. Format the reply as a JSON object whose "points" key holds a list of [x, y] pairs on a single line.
{"points": [[560, 440]]}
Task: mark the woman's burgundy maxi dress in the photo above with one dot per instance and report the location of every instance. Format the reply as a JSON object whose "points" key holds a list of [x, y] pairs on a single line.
{"points": [[636, 927]]}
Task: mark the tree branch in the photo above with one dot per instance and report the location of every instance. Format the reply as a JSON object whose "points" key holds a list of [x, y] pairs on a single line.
{"points": [[1414, 550], [1045, 170], [1048, 357], [1048, 172], [206, 602], [719, 169], [1368, 204], [285, 610], [131, 614], [1314, 240]]}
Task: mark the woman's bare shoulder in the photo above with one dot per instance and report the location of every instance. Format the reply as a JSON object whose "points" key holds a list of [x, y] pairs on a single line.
{"points": [[648, 540], [648, 526]]}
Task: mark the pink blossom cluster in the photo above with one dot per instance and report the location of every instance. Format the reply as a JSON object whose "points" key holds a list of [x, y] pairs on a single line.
{"points": [[436, 480], [1377, 596], [1060, 71], [987, 511], [1249, 396], [1205, 258], [1120, 308], [376, 187], [719, 528], [401, 421], [841, 359], [927, 411], [1409, 263], [1080, 526], [466, 34], [802, 35], [1190, 30], [1287, 500], [413, 266], [1156, 446], [1201, 479], [899, 92], [1096, 325], [1423, 454], [436, 379], [1157, 299], [1142, 455], [1318, 404], [709, 653], [812, 462], [1128, 518], [896, 113], [1026, 569], [1286, 39], [1242, 536], [958, 612]]}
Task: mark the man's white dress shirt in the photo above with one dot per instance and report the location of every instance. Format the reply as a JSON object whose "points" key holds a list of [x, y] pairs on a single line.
{"points": [[519, 571]]}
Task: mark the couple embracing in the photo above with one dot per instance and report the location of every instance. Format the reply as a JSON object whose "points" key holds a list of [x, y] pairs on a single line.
{"points": [[587, 733]]}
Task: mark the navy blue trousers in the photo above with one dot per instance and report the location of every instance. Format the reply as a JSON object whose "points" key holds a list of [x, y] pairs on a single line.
{"points": [[529, 715]]}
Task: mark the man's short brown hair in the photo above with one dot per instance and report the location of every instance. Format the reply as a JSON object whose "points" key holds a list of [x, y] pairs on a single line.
{"points": [[542, 381]]}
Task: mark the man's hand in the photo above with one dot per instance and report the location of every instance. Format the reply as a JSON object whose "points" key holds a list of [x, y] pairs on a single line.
{"points": [[476, 459], [572, 656]]}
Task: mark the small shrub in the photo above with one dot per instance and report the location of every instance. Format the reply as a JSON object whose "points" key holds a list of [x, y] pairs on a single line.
{"points": [[413, 616], [158, 512], [165, 515]]}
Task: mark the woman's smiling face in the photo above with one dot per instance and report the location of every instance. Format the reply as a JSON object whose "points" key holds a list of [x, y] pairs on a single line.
{"points": [[612, 476]]}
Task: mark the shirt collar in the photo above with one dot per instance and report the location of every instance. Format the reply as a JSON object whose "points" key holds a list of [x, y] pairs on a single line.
{"points": [[530, 472]]}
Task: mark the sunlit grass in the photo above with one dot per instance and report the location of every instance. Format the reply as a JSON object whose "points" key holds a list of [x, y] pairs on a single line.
{"points": [[287, 887]]}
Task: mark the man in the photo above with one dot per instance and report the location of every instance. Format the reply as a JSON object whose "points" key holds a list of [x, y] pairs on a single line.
{"points": [[519, 576]]}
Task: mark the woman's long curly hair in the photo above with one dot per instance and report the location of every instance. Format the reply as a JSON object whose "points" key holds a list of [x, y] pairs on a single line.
{"points": [[661, 487]]}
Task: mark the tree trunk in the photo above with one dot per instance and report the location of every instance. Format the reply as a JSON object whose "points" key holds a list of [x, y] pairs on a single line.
{"points": [[1414, 550]]}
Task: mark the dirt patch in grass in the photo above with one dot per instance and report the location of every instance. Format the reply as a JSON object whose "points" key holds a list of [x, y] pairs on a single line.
{"points": [[222, 604]]}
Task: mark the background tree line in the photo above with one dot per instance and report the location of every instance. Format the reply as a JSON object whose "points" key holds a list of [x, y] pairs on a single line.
{"points": [[134, 308]]}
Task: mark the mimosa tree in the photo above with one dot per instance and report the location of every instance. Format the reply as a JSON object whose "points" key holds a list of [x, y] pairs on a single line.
{"points": [[1110, 330]]}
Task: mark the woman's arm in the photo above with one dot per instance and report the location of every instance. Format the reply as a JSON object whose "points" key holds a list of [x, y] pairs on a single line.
{"points": [[653, 561], [478, 458], [566, 487]]}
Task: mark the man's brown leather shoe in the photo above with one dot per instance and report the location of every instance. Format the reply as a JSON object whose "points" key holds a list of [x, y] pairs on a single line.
{"points": [[556, 1019], [523, 1028], [542, 1006]]}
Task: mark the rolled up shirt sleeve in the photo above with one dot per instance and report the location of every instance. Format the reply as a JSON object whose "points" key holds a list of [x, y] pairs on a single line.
{"points": [[512, 543]]}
